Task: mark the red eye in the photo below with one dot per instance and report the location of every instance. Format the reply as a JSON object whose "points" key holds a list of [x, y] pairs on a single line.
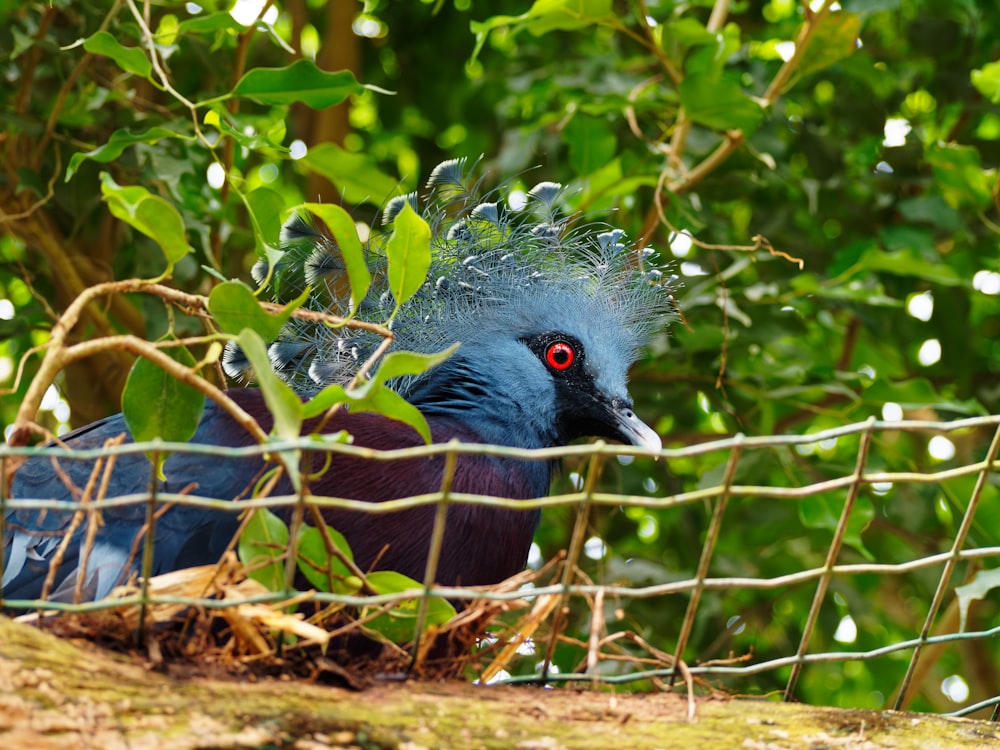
{"points": [[560, 356]]}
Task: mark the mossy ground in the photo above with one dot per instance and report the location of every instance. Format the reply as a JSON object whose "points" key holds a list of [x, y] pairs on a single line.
{"points": [[67, 693]]}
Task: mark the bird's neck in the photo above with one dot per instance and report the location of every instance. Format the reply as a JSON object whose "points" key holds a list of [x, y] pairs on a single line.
{"points": [[486, 407]]}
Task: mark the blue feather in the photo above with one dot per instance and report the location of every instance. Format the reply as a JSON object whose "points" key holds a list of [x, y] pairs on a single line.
{"points": [[395, 205]]}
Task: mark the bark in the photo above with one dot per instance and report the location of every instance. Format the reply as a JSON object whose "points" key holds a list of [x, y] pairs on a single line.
{"points": [[58, 693]]}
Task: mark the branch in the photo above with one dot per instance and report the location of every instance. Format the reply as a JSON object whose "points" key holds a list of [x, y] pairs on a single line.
{"points": [[812, 22], [129, 702], [59, 354], [679, 140], [648, 40], [50, 126], [734, 138]]}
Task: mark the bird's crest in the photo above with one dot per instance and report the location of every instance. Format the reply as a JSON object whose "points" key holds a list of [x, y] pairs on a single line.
{"points": [[493, 260]]}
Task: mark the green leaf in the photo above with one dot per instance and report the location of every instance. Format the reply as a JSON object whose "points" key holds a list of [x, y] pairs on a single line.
{"points": [[823, 512], [375, 395], [356, 176], [871, 294], [982, 584], [210, 22], [341, 225], [29, 179], [265, 207], [262, 545], [130, 59], [326, 398], [591, 143], [987, 81], [285, 406], [959, 175], [398, 623], [907, 262], [235, 307], [872, 6], [835, 39], [719, 103], [388, 403], [934, 210], [398, 364], [301, 81], [893, 237], [919, 393], [156, 404], [710, 60], [150, 214], [603, 188], [545, 16], [325, 571], [565, 15], [378, 399], [120, 140], [166, 30], [954, 501], [409, 254], [253, 141], [690, 32]]}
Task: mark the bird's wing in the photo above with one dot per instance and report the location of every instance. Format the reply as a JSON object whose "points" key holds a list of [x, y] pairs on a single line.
{"points": [[481, 544], [185, 536], [33, 537]]}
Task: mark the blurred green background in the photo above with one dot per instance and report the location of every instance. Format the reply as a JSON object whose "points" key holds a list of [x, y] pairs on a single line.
{"points": [[822, 178]]}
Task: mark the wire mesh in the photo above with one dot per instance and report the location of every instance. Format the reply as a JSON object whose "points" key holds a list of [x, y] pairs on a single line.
{"points": [[904, 607]]}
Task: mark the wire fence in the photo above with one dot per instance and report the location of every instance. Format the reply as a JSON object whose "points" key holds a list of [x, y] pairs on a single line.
{"points": [[925, 612]]}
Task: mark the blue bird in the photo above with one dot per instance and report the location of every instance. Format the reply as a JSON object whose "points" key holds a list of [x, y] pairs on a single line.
{"points": [[549, 319]]}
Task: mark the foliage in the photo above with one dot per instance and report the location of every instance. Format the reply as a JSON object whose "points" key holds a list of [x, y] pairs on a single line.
{"points": [[323, 557], [825, 178]]}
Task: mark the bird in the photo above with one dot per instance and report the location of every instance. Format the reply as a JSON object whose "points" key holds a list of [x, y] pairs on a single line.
{"points": [[549, 314]]}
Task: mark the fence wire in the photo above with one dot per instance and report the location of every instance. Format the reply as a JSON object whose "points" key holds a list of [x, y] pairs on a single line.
{"points": [[926, 639]]}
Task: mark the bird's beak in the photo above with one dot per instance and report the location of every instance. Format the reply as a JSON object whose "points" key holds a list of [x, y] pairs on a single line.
{"points": [[634, 431]]}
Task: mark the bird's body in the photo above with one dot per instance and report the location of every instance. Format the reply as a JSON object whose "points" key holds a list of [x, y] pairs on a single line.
{"points": [[548, 324], [187, 536]]}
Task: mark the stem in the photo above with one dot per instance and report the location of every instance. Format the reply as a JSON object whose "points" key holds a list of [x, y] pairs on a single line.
{"points": [[734, 138], [801, 45], [679, 140], [718, 18], [50, 126], [28, 79], [648, 40], [58, 354]]}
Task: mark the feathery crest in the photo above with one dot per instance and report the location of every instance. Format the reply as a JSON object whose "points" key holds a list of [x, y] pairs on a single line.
{"points": [[492, 265]]}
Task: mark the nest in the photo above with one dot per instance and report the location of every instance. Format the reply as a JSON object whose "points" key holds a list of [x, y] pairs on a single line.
{"points": [[231, 630]]}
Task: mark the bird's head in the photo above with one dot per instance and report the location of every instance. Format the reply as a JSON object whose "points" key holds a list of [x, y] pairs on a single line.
{"points": [[549, 318], [544, 368]]}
